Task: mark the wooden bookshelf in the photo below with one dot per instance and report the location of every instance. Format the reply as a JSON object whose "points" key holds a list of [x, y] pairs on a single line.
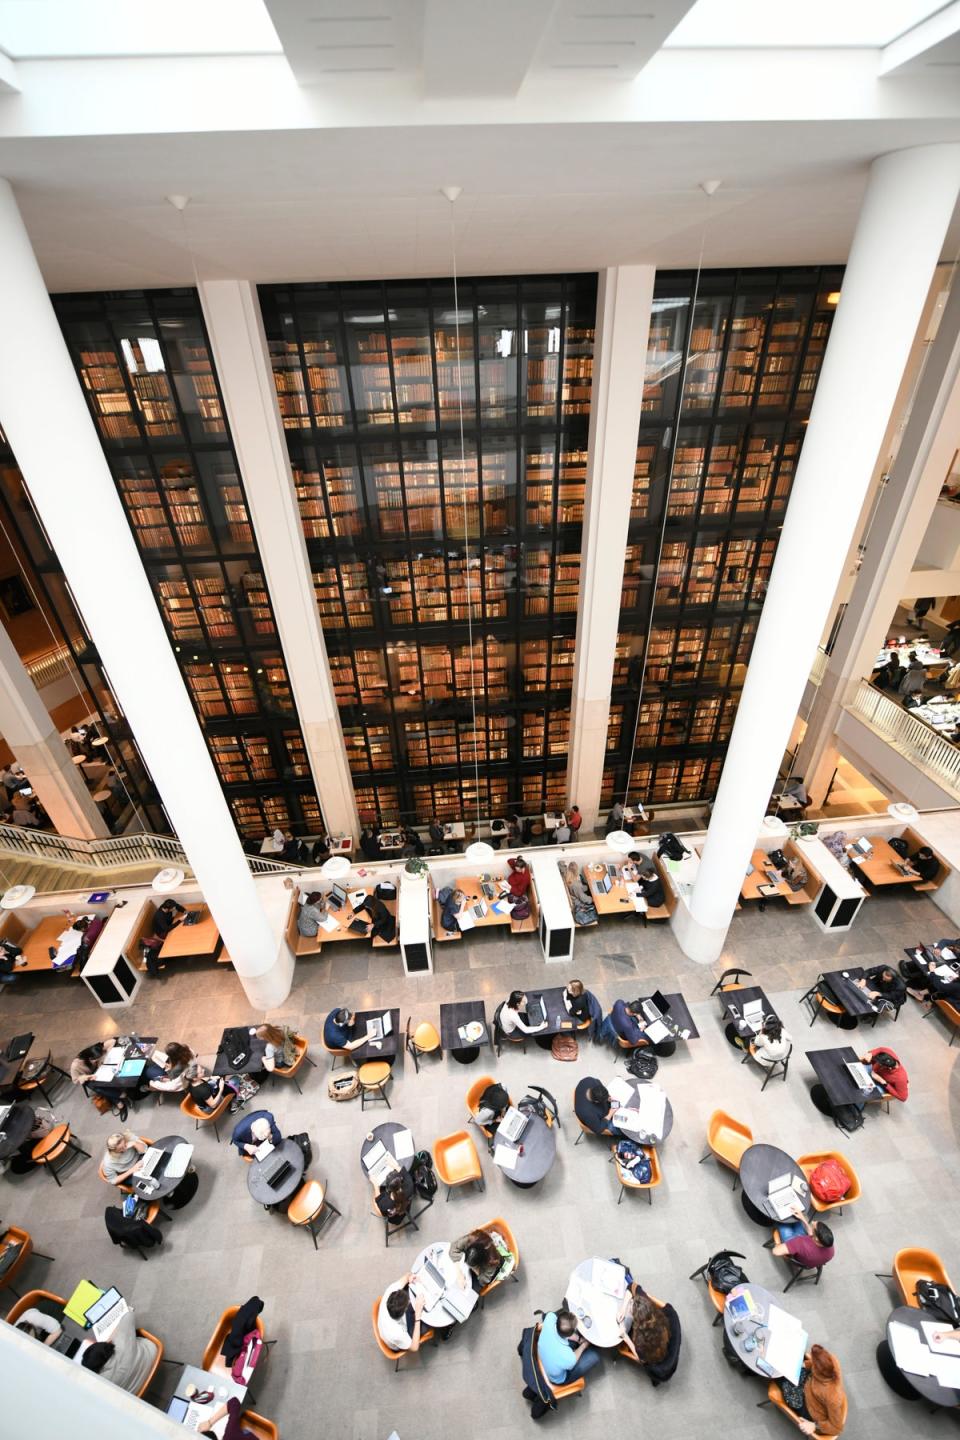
{"points": [[353, 608]]}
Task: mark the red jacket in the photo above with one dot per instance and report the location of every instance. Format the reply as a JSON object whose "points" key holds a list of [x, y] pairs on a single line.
{"points": [[896, 1081], [518, 880]]}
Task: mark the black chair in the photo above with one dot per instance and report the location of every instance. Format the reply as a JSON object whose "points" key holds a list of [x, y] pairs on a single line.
{"points": [[778, 1068], [499, 1038], [729, 977]]}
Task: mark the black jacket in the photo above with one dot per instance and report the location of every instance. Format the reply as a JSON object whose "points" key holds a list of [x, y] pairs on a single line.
{"points": [[243, 1322], [664, 1369]]}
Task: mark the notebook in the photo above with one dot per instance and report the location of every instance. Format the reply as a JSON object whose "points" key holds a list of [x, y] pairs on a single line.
{"points": [[513, 1124], [85, 1295]]}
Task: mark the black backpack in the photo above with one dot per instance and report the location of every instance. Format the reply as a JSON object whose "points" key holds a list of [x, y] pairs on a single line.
{"points": [[303, 1140], [723, 1271], [900, 845], [672, 847], [848, 1117], [642, 1064], [184, 1192], [424, 1176], [940, 1301]]}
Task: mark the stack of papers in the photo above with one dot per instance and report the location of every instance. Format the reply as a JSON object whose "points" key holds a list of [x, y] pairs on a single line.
{"points": [[609, 1278], [465, 920], [649, 1107], [506, 1157], [917, 1358], [403, 1145], [786, 1343], [329, 922]]}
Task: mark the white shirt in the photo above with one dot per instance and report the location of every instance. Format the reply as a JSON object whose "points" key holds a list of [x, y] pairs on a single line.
{"points": [[510, 1020], [767, 1052], [393, 1332]]}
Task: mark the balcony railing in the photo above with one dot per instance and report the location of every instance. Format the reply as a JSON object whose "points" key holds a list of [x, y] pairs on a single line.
{"points": [[910, 736], [819, 666], [45, 669], [117, 853]]}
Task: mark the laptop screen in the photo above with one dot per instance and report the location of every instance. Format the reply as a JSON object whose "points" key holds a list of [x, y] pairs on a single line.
{"points": [[177, 1409], [100, 1307], [661, 1001]]}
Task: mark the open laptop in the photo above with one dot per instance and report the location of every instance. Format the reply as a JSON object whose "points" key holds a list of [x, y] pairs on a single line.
{"points": [[784, 1194], [100, 1307], [185, 1413], [536, 1010], [604, 883], [18, 1047], [459, 1303], [338, 896], [859, 1074], [430, 1283], [656, 1006], [862, 849], [380, 1026], [513, 1124], [148, 1165]]}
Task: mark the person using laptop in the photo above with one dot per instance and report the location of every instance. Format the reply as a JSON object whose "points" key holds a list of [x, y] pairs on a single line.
{"points": [[395, 1196], [818, 1401], [233, 1430], [86, 1064], [398, 1318], [881, 982], [481, 1255], [888, 1071], [40, 1326], [253, 1130], [518, 881], [925, 863], [581, 901], [770, 1045], [170, 1075], [594, 1106], [491, 1108], [167, 916], [338, 1031], [125, 1359], [122, 1156], [513, 1016], [563, 1355], [384, 926], [312, 912], [811, 1246], [625, 1022]]}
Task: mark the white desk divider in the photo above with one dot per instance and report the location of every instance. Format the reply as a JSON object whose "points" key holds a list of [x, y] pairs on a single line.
{"points": [[556, 918], [108, 975], [413, 920]]}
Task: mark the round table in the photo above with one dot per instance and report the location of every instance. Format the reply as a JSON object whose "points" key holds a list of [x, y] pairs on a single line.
{"points": [[760, 1164], [598, 1314], [753, 1328], [166, 1183], [539, 1145], [18, 1125], [387, 1135], [267, 1194], [926, 1385], [635, 1096], [439, 1253]]}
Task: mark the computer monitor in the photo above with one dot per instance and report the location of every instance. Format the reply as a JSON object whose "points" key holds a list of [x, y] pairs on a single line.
{"points": [[661, 1001], [338, 895]]}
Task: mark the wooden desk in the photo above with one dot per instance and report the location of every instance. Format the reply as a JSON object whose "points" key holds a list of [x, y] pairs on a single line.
{"points": [[471, 886], [750, 889], [879, 869], [37, 943], [202, 939], [346, 914], [614, 901]]}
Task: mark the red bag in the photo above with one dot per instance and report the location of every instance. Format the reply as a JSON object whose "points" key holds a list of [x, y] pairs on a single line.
{"points": [[830, 1182], [244, 1365]]}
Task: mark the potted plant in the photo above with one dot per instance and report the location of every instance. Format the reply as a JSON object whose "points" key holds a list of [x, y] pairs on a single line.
{"points": [[416, 865], [803, 828]]}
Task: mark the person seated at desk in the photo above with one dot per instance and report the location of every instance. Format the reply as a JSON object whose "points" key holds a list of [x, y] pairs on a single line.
{"points": [[39, 1326], [122, 1156], [594, 1106], [450, 902], [250, 1132], [652, 1334], [770, 1045], [482, 1257], [312, 912], [577, 1000], [279, 1046], [810, 1244], [167, 916], [920, 973], [11, 958], [170, 1075], [925, 863], [384, 925], [615, 819], [395, 1196], [574, 819], [338, 1031], [125, 1359], [624, 1023], [398, 1319], [818, 1401], [518, 881], [881, 982], [85, 1065], [233, 1429], [412, 843], [562, 834], [888, 1072], [370, 843], [205, 1089], [563, 1359], [795, 789], [513, 1016], [581, 900], [491, 1108]]}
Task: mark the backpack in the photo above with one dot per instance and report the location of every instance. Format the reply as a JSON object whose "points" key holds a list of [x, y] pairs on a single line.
{"points": [[343, 1087], [900, 845], [830, 1182], [184, 1192], [671, 847], [246, 1361], [641, 1064], [521, 908], [424, 1177], [724, 1273], [565, 1047], [848, 1117], [303, 1141], [939, 1300], [634, 1158]]}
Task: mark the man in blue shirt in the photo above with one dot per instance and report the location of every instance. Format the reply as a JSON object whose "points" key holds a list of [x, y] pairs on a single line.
{"points": [[338, 1031], [623, 1023], [253, 1130], [563, 1355]]}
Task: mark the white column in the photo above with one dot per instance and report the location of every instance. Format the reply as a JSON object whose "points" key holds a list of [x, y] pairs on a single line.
{"points": [[900, 521], [239, 345], [27, 728], [81, 511], [902, 224], [619, 360]]}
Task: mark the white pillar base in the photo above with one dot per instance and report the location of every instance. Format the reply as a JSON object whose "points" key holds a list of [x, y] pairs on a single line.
{"points": [[703, 944], [269, 989]]}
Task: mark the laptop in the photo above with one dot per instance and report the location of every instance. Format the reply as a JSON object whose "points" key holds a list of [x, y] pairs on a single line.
{"points": [[479, 909], [536, 1010], [513, 1124], [380, 1026], [338, 896], [862, 848], [149, 1162], [131, 1069], [605, 884], [192, 917], [859, 1074], [185, 1413], [656, 1006], [784, 1194], [430, 1283], [359, 926], [19, 1046], [279, 1174], [459, 1303], [100, 1307], [488, 889]]}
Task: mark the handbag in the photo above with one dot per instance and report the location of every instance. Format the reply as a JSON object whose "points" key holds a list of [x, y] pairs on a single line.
{"points": [[723, 1271], [642, 1065], [565, 1047], [343, 1087]]}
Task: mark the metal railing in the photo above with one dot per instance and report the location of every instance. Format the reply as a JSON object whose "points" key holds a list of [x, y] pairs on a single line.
{"points": [[45, 669], [939, 758], [117, 853], [819, 666]]}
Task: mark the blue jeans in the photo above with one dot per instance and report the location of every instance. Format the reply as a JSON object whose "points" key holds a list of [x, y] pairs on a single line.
{"points": [[588, 1359], [607, 1032]]}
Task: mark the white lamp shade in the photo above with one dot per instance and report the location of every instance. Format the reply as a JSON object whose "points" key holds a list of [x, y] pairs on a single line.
{"points": [[336, 868], [773, 825], [169, 879], [901, 810], [480, 851], [620, 840], [17, 895]]}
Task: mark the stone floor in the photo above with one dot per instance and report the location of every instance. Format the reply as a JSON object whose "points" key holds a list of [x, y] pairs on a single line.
{"points": [[326, 1376]]}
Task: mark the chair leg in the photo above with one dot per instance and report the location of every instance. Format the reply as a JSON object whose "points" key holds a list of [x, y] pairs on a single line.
{"points": [[578, 1139], [649, 1197], [15, 1290], [717, 1320], [311, 1063], [705, 1157], [40, 1256], [697, 1273]]}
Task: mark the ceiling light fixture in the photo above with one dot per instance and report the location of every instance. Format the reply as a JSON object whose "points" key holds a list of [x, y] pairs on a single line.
{"points": [[710, 187], [179, 202]]}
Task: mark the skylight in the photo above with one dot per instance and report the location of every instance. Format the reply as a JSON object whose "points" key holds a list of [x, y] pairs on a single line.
{"points": [[82, 29], [741, 24]]}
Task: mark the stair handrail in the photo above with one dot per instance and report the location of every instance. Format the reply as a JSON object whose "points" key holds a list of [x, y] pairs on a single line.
{"points": [[112, 853]]}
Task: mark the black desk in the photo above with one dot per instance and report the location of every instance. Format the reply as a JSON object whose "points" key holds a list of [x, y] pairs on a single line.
{"points": [[539, 1145], [237, 1040], [734, 1002], [832, 1072], [387, 1134], [759, 1164], [452, 1016], [385, 1049], [678, 1016], [167, 1183], [17, 1127], [841, 988], [926, 1385], [258, 1186], [10, 1069]]}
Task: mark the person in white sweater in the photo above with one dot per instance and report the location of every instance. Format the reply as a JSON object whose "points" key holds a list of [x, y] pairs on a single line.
{"points": [[771, 1044]]}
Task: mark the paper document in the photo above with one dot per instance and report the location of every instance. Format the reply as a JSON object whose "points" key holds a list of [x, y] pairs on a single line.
{"points": [[621, 1091], [465, 920], [945, 972], [657, 1031], [374, 1154], [786, 1343], [506, 1157], [105, 1072], [651, 1103], [403, 1145], [909, 1350], [609, 1278], [946, 1369], [939, 1347], [178, 1162], [627, 1119], [329, 922]]}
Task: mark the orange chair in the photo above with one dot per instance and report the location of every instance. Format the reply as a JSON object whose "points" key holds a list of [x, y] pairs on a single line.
{"points": [[507, 1235], [775, 1398], [717, 1297], [559, 1392], [213, 1361], [29, 1300], [809, 1163], [14, 1236], [310, 1207], [913, 1265], [58, 1145], [158, 1357], [395, 1355], [199, 1116], [337, 1054], [627, 1181], [726, 1140], [818, 1001], [473, 1099], [289, 1072], [374, 1075], [262, 1429], [724, 983], [952, 1014], [423, 1041], [456, 1161]]}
